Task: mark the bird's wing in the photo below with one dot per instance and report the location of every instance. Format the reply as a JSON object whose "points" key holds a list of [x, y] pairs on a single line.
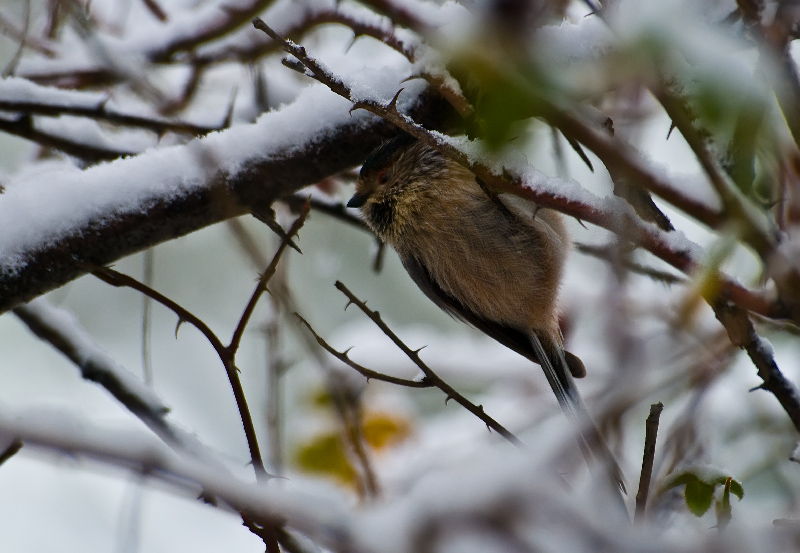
{"points": [[550, 356], [511, 338]]}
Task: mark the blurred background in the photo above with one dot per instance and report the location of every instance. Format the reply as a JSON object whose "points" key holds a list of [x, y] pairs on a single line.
{"points": [[643, 338]]}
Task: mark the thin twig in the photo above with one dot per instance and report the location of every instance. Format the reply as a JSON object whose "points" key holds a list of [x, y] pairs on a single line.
{"points": [[606, 253], [430, 375], [335, 210], [261, 287], [23, 42], [100, 112], [23, 126], [651, 433], [369, 374], [118, 279]]}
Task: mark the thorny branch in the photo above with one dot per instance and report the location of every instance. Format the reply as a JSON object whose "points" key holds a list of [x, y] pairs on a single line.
{"points": [[369, 374], [115, 278], [261, 287], [430, 375]]}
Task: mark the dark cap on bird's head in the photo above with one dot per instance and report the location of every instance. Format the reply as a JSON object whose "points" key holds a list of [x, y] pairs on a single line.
{"points": [[378, 161], [384, 155]]}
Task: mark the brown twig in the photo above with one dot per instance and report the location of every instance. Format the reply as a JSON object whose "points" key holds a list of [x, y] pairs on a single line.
{"points": [[115, 278], [400, 14], [367, 373], [606, 253], [11, 67], [154, 8], [736, 207], [100, 112], [335, 210], [430, 376], [232, 19], [261, 287], [651, 433], [23, 127]]}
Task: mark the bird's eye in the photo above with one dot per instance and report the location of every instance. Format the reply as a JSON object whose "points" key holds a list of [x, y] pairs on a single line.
{"points": [[383, 177]]}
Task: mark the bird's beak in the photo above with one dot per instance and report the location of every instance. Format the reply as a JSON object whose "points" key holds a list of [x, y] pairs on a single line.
{"points": [[358, 200]]}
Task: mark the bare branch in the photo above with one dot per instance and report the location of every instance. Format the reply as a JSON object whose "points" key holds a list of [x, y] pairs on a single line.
{"points": [[261, 287], [118, 279], [368, 373], [100, 112], [430, 375], [24, 127], [608, 253]]}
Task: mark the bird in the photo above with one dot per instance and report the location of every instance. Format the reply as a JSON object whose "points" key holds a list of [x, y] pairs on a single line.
{"points": [[492, 261]]}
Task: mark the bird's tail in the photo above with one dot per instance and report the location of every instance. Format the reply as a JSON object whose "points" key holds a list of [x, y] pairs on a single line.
{"points": [[556, 369]]}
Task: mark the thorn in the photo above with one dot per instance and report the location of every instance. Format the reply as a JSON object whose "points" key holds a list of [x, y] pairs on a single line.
{"points": [[393, 104], [177, 326], [580, 222], [416, 351], [353, 40], [229, 115], [349, 303], [671, 128], [448, 398], [347, 351], [101, 107], [357, 105], [759, 387], [412, 77]]}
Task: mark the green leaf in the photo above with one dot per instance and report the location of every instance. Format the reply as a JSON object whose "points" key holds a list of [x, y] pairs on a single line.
{"points": [[700, 487], [699, 496]]}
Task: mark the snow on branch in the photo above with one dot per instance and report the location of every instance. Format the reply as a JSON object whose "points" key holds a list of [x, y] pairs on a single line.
{"points": [[118, 208]]}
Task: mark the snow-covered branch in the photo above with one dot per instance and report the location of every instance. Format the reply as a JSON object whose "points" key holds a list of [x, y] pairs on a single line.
{"points": [[115, 209]]}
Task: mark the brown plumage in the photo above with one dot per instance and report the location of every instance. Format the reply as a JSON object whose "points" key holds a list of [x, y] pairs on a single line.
{"points": [[494, 262]]}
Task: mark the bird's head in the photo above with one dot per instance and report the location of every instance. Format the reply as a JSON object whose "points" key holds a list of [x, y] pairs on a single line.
{"points": [[389, 187]]}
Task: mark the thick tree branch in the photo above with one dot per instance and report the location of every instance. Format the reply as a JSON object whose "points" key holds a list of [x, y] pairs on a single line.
{"points": [[258, 183]]}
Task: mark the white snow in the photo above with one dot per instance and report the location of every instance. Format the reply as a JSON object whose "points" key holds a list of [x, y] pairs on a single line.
{"points": [[44, 207]]}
